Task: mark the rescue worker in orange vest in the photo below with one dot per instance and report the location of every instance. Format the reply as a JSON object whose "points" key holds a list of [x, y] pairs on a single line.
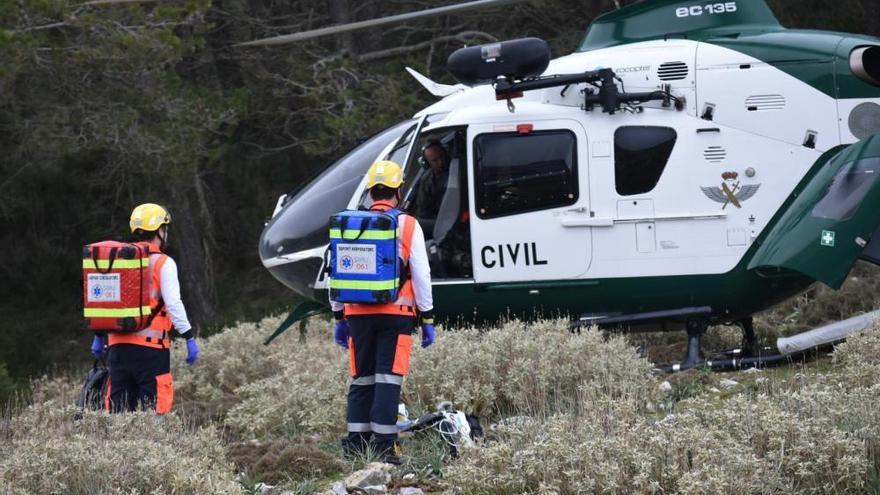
{"points": [[140, 362], [379, 336]]}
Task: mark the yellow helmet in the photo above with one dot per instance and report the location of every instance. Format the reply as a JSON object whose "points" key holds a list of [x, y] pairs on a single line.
{"points": [[149, 216], [385, 172]]}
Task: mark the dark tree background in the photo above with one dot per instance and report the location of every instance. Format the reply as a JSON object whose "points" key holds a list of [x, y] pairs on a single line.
{"points": [[107, 105]]}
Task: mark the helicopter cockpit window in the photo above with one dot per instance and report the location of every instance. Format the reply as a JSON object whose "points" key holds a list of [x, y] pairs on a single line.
{"points": [[518, 173], [848, 190], [396, 155], [640, 155], [435, 192]]}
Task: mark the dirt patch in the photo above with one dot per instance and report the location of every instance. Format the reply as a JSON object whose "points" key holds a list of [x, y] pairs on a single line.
{"points": [[279, 461]]}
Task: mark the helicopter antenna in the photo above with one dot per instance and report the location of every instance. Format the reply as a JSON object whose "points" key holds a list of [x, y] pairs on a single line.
{"points": [[354, 26]]}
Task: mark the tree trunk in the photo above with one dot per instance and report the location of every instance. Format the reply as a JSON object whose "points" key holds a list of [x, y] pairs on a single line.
{"points": [[340, 13], [191, 240]]}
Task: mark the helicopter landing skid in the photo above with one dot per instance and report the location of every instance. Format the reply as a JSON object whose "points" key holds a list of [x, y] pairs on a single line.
{"points": [[696, 320]]}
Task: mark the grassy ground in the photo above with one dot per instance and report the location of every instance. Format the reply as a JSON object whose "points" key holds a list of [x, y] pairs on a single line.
{"points": [[563, 413]]}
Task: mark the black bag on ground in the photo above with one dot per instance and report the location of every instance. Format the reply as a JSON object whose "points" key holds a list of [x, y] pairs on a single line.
{"points": [[94, 390]]}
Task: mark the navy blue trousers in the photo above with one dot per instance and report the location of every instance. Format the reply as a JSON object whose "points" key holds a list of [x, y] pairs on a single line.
{"points": [[140, 378], [379, 351]]}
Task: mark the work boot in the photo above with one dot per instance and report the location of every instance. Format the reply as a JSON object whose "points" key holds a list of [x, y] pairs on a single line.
{"points": [[355, 445], [389, 453]]}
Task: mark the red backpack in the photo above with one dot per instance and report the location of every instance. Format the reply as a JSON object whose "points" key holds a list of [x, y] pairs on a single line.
{"points": [[116, 286]]}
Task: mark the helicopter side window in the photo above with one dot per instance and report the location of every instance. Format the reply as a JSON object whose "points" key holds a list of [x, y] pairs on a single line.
{"points": [[640, 155], [848, 189], [518, 173]]}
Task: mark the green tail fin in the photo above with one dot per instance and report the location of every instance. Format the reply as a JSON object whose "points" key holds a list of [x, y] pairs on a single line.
{"points": [[692, 19]]}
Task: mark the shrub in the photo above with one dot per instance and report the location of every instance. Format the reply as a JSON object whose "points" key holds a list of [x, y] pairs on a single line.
{"points": [[537, 367], [57, 449], [758, 444], [62, 388], [300, 387], [858, 359], [228, 360]]}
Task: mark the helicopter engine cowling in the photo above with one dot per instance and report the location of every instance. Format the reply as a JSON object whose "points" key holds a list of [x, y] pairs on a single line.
{"points": [[515, 59]]}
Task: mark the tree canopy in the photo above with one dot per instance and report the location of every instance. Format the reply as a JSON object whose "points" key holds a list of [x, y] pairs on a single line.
{"points": [[106, 104]]}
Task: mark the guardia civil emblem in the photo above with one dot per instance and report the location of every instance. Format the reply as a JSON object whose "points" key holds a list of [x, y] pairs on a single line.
{"points": [[730, 191]]}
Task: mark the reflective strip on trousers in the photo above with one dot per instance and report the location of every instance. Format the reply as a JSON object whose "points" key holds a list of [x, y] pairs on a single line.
{"points": [[391, 379], [364, 381], [383, 429], [360, 427]]}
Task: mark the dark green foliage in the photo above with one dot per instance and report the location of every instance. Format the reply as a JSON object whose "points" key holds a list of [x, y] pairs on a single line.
{"points": [[104, 106]]}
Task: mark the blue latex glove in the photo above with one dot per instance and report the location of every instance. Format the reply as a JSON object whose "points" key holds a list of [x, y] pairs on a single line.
{"points": [[427, 334], [340, 333], [192, 351], [98, 346]]}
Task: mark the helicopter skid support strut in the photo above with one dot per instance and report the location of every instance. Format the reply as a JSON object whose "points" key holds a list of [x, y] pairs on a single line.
{"points": [[696, 327]]}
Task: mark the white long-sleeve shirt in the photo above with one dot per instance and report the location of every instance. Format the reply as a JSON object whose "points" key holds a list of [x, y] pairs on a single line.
{"points": [[420, 273], [170, 288]]}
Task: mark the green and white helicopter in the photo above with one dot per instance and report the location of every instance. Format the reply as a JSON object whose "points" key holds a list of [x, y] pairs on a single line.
{"points": [[691, 164]]}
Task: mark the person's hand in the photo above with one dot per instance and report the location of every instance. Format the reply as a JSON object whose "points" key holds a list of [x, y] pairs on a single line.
{"points": [[340, 333], [428, 334], [192, 351], [98, 346]]}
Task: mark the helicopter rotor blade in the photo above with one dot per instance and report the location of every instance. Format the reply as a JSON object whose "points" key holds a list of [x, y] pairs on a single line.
{"points": [[354, 26]]}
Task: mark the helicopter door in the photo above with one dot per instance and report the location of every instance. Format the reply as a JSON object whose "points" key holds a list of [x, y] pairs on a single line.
{"points": [[530, 201]]}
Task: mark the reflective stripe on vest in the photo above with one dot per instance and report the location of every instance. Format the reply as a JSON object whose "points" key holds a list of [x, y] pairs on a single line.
{"points": [[156, 336], [405, 303], [120, 264], [161, 321]]}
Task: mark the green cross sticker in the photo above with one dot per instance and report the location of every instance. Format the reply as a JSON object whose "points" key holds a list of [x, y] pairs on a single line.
{"points": [[827, 238]]}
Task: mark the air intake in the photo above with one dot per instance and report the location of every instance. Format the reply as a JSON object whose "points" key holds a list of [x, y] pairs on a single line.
{"points": [[762, 103], [672, 71], [715, 154], [865, 64]]}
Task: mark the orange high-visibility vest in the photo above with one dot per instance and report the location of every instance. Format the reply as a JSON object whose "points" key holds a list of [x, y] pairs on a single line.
{"points": [[405, 305], [156, 336]]}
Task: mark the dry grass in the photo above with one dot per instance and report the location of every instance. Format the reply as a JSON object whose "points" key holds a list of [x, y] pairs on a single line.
{"points": [[53, 448], [591, 420]]}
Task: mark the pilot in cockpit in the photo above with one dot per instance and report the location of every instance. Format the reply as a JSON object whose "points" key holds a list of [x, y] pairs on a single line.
{"points": [[432, 186], [441, 207]]}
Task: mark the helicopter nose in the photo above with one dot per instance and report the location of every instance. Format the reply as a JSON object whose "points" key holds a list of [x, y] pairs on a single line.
{"points": [[293, 242]]}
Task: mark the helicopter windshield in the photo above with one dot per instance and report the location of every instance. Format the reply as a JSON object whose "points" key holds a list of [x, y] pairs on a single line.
{"points": [[397, 154], [304, 221]]}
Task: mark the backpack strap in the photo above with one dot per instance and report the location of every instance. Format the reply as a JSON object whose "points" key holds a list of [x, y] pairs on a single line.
{"points": [[158, 267]]}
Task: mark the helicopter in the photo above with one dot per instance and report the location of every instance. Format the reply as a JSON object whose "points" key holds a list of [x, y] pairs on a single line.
{"points": [[692, 163]]}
